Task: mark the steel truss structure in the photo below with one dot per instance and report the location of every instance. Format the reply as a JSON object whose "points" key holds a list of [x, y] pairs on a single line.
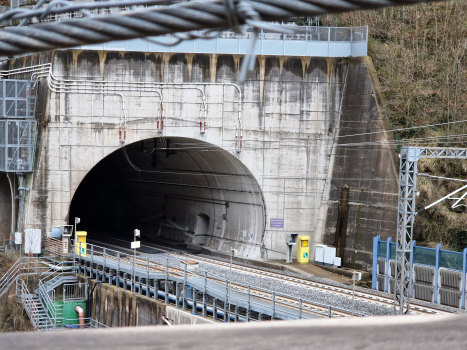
{"points": [[406, 213]]}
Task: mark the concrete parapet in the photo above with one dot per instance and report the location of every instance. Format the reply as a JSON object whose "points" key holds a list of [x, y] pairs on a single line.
{"points": [[383, 333]]}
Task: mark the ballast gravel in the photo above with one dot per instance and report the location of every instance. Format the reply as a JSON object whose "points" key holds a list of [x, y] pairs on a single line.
{"points": [[333, 299]]}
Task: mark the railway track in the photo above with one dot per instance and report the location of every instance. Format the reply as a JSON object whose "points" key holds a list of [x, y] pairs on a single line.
{"points": [[387, 301], [306, 307]]}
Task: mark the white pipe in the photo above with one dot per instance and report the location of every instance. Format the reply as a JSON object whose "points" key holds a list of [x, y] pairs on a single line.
{"points": [[59, 268], [166, 320], [113, 88]]}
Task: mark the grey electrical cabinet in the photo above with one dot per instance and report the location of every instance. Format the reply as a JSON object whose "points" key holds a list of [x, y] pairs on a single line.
{"points": [[291, 239]]}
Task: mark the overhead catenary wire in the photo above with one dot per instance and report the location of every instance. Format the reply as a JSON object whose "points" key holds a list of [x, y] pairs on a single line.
{"points": [[178, 18]]}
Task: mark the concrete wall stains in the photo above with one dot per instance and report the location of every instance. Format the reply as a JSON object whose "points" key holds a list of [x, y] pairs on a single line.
{"points": [[292, 110], [371, 168]]}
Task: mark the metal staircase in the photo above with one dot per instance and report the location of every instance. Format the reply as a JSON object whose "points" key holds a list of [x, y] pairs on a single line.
{"points": [[37, 313], [40, 305], [57, 280]]}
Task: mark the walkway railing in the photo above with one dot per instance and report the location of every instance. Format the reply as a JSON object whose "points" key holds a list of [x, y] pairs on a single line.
{"points": [[307, 41], [145, 276], [39, 318]]}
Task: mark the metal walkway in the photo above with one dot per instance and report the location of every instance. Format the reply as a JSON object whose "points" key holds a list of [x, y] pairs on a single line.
{"points": [[177, 283]]}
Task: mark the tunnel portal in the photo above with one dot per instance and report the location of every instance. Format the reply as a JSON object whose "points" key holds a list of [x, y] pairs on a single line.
{"points": [[174, 188]]}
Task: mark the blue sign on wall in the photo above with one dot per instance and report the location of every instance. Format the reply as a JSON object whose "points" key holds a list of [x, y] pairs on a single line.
{"points": [[276, 223]]}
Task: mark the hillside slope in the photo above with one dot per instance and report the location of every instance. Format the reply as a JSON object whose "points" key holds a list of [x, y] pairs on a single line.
{"points": [[419, 54]]}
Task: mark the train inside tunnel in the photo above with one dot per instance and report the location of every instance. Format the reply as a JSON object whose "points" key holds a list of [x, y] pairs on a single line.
{"points": [[173, 189]]}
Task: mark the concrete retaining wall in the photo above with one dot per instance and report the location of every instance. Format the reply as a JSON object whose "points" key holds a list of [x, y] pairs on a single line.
{"points": [[116, 307]]}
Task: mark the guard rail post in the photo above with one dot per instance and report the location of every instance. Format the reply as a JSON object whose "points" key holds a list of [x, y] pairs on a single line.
{"points": [[464, 261], [225, 301], [184, 286], [166, 280], [273, 305], [299, 308], [103, 267], [92, 261], [249, 305], [204, 293], [79, 255], [374, 276], [73, 245], [177, 295], [329, 311], [148, 294], [388, 257], [214, 309], [117, 278]]}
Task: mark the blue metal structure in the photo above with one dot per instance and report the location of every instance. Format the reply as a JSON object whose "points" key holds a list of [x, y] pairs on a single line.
{"points": [[445, 266]]}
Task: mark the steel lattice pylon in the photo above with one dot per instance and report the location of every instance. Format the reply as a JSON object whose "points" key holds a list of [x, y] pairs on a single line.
{"points": [[406, 215]]}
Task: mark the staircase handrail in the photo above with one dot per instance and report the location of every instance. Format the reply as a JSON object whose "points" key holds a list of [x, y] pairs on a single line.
{"points": [[9, 277], [32, 308], [48, 303]]}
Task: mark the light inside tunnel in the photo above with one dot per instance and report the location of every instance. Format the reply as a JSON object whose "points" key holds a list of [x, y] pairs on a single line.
{"points": [[174, 188]]}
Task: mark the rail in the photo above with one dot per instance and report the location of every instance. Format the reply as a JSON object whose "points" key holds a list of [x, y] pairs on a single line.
{"points": [[74, 291], [88, 323]]}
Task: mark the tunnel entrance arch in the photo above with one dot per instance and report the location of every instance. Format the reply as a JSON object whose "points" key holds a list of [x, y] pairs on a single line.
{"points": [[173, 188]]}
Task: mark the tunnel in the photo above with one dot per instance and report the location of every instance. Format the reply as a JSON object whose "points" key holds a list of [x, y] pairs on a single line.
{"points": [[173, 189]]}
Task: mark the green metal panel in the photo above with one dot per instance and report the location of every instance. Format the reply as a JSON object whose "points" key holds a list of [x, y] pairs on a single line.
{"points": [[69, 314]]}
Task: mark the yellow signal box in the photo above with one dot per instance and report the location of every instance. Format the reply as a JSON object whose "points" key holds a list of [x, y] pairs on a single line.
{"points": [[80, 245], [303, 255]]}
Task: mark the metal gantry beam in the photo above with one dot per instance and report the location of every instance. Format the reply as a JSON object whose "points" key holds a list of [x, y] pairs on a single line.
{"points": [[406, 212]]}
